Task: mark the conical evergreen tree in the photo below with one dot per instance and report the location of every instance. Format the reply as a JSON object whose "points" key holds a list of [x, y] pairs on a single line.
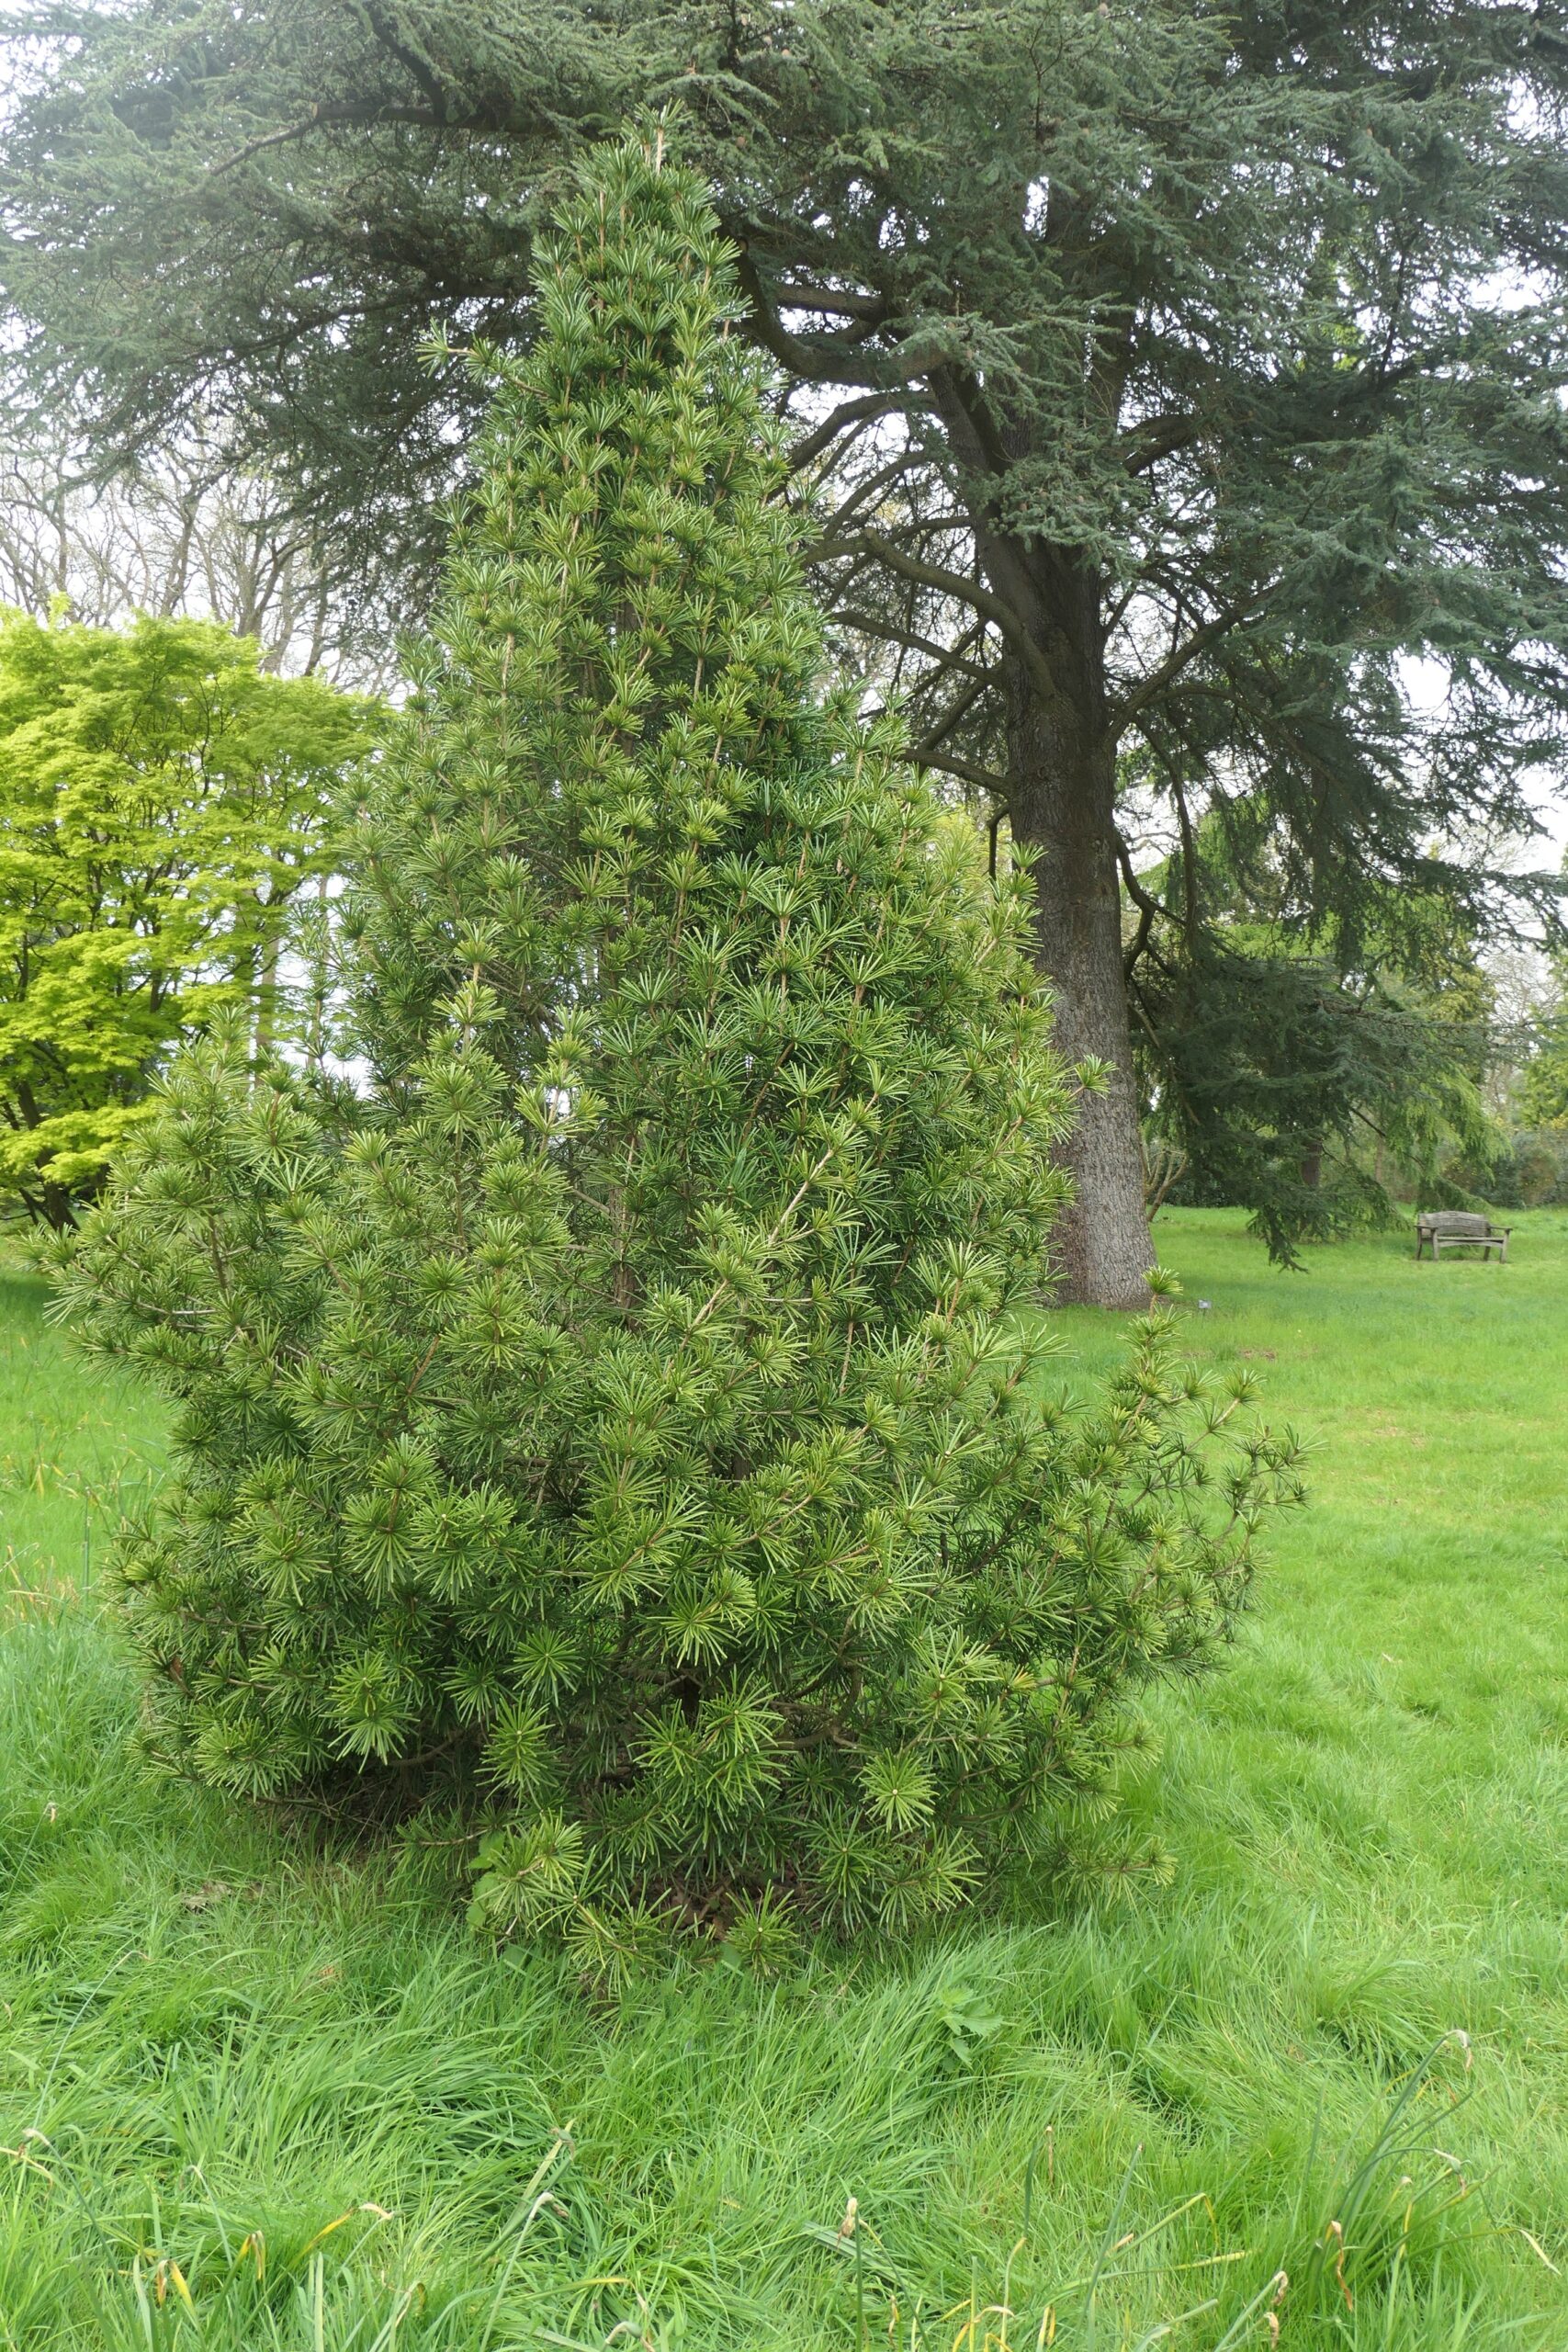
{"points": [[617, 1413]]}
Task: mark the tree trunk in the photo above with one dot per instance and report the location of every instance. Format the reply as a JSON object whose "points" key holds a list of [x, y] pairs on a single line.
{"points": [[1062, 769], [56, 1209]]}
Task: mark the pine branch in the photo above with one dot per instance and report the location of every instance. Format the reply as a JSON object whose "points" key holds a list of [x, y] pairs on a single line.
{"points": [[336, 114], [958, 709]]}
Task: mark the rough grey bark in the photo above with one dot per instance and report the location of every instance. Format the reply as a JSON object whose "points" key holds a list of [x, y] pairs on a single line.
{"points": [[1061, 774], [1063, 802]]}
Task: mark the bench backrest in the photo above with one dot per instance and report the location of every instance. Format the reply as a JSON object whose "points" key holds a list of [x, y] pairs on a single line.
{"points": [[1452, 1221]]}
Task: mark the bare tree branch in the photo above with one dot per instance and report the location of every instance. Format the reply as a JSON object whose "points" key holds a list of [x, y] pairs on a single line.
{"points": [[967, 771], [339, 114], [848, 413], [959, 709], [1156, 436], [944, 657], [1150, 910], [937, 577], [823, 360], [1149, 688]]}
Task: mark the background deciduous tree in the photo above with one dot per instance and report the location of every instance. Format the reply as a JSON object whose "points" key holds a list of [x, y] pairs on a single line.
{"points": [[184, 533], [1170, 378], [162, 801], [1543, 1081]]}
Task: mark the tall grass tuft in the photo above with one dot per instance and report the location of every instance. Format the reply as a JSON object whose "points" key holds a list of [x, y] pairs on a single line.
{"points": [[260, 2092]]}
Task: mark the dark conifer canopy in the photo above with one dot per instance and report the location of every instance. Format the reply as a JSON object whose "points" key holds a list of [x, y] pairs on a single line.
{"points": [[1183, 385]]}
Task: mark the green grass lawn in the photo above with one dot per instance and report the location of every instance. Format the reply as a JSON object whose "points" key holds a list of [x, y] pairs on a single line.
{"points": [[257, 2093]]}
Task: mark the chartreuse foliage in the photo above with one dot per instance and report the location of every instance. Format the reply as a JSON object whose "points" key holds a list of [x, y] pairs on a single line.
{"points": [[620, 1413], [162, 801], [1543, 1093]]}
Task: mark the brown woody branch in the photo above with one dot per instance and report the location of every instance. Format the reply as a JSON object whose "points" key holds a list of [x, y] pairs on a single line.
{"points": [[1148, 689], [848, 413], [942, 582], [967, 771], [945, 657]]}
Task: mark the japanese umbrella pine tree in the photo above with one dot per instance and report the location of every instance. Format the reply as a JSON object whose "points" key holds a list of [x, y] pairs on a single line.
{"points": [[623, 1415]]}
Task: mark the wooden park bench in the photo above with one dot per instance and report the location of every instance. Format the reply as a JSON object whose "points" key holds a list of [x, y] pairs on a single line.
{"points": [[1460, 1229]]}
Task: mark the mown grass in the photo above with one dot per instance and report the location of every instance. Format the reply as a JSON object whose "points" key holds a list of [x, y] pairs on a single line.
{"points": [[258, 2092], [73, 1451]]}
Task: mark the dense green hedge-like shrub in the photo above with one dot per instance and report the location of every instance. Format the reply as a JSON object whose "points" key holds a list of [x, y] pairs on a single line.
{"points": [[1529, 1171], [624, 1416]]}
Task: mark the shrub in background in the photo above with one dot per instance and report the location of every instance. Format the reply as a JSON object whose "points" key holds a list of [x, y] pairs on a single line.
{"points": [[164, 802], [1529, 1171], [1543, 1087], [625, 1415]]}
